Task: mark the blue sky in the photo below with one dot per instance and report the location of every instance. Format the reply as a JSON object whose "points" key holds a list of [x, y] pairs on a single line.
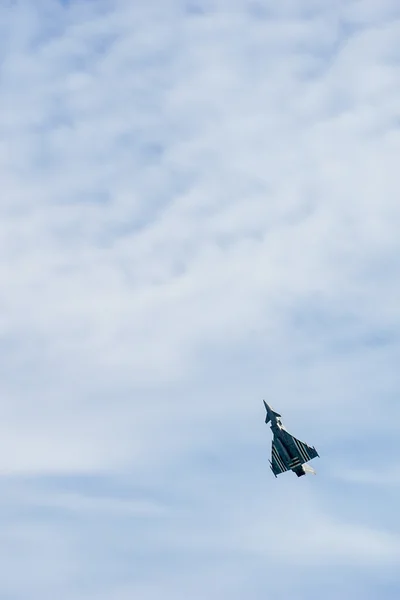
{"points": [[199, 210]]}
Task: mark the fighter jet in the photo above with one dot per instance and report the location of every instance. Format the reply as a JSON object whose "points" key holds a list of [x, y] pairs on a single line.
{"points": [[288, 453]]}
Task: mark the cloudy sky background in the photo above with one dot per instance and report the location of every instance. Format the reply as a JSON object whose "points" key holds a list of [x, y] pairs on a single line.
{"points": [[199, 209]]}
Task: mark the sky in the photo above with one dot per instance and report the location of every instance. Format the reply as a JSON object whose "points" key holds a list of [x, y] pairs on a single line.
{"points": [[199, 210]]}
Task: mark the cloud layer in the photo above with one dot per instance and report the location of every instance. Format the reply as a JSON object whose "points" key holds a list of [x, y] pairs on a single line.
{"points": [[198, 210]]}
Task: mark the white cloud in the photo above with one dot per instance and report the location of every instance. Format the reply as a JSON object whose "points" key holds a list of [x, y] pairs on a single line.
{"points": [[380, 476], [199, 209], [42, 553]]}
